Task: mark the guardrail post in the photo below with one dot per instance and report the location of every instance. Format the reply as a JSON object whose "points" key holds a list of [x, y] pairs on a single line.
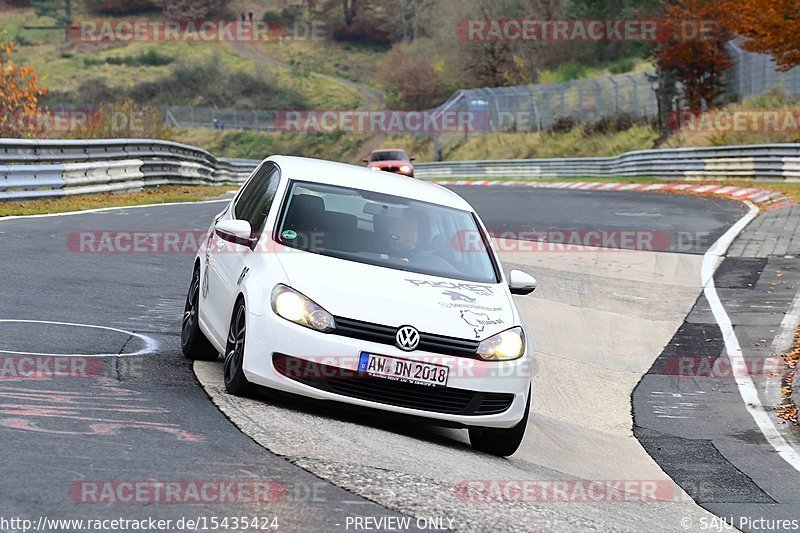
{"points": [[536, 114], [635, 111], [616, 94], [549, 108], [599, 104]]}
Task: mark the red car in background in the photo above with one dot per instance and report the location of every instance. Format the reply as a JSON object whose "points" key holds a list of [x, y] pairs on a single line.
{"points": [[391, 160]]}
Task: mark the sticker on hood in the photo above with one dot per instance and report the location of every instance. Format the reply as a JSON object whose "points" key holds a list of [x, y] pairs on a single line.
{"points": [[481, 290], [458, 297], [479, 321]]}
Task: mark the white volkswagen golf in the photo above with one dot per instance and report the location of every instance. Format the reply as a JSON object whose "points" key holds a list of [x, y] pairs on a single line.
{"points": [[324, 280]]}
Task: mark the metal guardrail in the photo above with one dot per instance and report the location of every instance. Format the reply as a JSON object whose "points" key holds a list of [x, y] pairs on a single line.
{"points": [[32, 169], [49, 168], [768, 161]]}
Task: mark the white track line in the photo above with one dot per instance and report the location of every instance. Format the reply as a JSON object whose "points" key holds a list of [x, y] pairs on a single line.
{"points": [[150, 344], [744, 382], [784, 341], [104, 209]]}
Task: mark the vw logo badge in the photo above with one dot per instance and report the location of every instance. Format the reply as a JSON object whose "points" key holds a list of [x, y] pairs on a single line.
{"points": [[407, 338]]}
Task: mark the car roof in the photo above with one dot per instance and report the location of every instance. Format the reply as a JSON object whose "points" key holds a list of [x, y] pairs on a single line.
{"points": [[358, 177], [387, 150]]}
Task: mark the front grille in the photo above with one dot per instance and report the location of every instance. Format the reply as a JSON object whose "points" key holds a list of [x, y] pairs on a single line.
{"points": [[425, 398], [428, 342]]}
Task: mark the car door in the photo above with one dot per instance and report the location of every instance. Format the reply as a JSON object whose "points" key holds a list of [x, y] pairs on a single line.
{"points": [[229, 255]]}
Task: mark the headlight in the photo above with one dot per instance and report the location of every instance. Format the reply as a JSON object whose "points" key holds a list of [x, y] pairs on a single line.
{"points": [[405, 168], [507, 345], [294, 307], [375, 168]]}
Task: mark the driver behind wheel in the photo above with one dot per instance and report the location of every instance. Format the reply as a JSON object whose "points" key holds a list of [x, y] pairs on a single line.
{"points": [[403, 235]]}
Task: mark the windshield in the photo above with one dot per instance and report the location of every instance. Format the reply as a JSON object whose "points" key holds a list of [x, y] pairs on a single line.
{"points": [[384, 230], [389, 155]]}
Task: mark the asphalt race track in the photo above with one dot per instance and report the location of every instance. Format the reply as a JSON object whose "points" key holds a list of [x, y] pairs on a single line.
{"points": [[136, 411], [689, 224]]}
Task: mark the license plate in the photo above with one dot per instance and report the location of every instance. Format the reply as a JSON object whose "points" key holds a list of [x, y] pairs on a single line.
{"points": [[405, 370]]}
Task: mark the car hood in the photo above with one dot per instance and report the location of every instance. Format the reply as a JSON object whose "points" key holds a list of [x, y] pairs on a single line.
{"points": [[390, 297]]}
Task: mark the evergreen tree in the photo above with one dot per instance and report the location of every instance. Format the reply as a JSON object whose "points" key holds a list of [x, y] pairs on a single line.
{"points": [[58, 10]]}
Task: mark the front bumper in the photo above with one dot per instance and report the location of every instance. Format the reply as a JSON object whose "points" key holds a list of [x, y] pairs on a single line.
{"points": [[392, 170], [269, 336]]}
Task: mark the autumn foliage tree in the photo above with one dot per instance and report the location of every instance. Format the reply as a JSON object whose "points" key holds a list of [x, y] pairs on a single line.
{"points": [[690, 51], [694, 48], [770, 27], [20, 95]]}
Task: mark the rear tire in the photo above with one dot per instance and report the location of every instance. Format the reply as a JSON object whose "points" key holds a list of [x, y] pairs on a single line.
{"points": [[500, 441], [235, 381], [194, 343]]}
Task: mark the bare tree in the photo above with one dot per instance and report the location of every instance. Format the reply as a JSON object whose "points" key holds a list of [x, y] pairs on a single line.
{"points": [[359, 20], [350, 10], [193, 9], [411, 19], [497, 62]]}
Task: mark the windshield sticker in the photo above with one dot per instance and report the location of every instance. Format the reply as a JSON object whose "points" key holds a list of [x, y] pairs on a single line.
{"points": [[479, 321], [480, 290], [289, 234]]}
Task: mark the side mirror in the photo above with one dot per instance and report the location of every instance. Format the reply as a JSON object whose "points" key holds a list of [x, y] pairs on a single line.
{"points": [[235, 231], [521, 283], [412, 158], [365, 160]]}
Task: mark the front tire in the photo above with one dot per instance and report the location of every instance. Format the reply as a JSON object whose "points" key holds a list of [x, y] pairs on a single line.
{"points": [[235, 381], [500, 441], [194, 343]]}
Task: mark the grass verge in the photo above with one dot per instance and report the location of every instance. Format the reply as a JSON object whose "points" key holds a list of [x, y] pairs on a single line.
{"points": [[339, 146], [156, 195]]}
